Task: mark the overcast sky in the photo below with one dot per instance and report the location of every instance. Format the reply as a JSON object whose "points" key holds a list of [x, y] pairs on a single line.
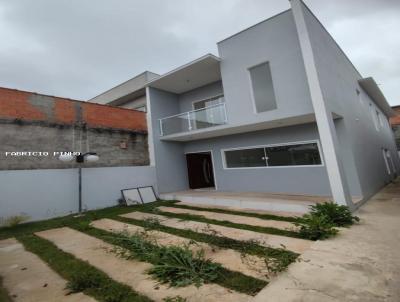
{"points": [[80, 48]]}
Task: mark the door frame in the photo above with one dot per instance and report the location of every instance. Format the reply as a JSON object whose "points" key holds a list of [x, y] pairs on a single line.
{"points": [[213, 166]]}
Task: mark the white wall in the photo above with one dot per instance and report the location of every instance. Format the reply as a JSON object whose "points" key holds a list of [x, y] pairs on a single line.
{"points": [[43, 194]]}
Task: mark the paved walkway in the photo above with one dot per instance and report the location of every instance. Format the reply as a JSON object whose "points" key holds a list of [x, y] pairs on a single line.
{"points": [[292, 244], [28, 279], [131, 272], [362, 264]]}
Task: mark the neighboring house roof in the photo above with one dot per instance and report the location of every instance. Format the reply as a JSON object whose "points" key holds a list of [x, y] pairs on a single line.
{"points": [[395, 120], [125, 91], [26, 106]]}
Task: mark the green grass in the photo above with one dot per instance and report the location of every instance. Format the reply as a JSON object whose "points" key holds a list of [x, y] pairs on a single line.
{"points": [[80, 275], [232, 212], [199, 218], [4, 296], [280, 257], [152, 253], [105, 289]]}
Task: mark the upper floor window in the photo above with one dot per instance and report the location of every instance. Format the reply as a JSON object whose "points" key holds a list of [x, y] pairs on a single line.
{"points": [[375, 116], [262, 87]]}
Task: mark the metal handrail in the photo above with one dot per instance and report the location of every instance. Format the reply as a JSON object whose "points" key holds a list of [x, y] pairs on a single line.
{"points": [[188, 112]]}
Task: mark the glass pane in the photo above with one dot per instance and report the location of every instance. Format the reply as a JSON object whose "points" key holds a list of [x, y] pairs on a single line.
{"points": [[300, 154], [263, 90], [245, 158]]}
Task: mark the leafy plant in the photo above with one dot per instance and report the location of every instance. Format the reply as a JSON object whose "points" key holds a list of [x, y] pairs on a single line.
{"points": [[338, 215], [316, 227], [177, 266], [180, 267]]}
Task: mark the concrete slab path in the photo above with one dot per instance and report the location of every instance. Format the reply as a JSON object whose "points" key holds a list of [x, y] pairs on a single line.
{"points": [[292, 244], [361, 264], [28, 279], [228, 258], [279, 213], [132, 273], [284, 225]]}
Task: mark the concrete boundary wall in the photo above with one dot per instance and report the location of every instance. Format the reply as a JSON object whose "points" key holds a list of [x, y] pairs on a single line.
{"points": [[43, 194]]}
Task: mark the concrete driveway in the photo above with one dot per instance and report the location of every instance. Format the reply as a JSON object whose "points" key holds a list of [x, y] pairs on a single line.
{"points": [[361, 264]]}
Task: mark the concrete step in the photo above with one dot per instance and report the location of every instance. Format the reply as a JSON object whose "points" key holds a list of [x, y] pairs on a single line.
{"points": [[254, 201]]}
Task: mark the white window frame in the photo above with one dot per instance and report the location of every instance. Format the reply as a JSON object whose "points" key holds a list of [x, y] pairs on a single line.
{"points": [[373, 111], [225, 166], [385, 158], [253, 101], [207, 98]]}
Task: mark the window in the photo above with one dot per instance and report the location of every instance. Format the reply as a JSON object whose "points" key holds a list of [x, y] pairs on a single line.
{"points": [[262, 87], [245, 158], [301, 154], [375, 116], [208, 102]]}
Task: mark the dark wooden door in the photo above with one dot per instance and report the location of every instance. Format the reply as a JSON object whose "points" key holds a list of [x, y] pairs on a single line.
{"points": [[200, 170]]}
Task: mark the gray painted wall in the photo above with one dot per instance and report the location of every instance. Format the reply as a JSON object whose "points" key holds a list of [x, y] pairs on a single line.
{"points": [[361, 144], [274, 40], [44, 194], [302, 180], [29, 136], [186, 99], [168, 156]]}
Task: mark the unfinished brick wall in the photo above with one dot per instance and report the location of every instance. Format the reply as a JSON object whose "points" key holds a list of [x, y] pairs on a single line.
{"points": [[28, 106], [41, 123]]}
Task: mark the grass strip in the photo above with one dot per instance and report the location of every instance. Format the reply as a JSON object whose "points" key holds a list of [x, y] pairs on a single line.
{"points": [[282, 256], [37, 226], [225, 277], [4, 296], [234, 212], [80, 275], [199, 218]]}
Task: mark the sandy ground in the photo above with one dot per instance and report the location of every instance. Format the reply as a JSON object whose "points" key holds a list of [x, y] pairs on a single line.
{"points": [[284, 225], [228, 258], [292, 244], [362, 264], [130, 272], [28, 279]]}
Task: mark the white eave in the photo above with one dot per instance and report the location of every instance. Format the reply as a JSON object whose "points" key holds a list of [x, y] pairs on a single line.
{"points": [[200, 72], [371, 88]]}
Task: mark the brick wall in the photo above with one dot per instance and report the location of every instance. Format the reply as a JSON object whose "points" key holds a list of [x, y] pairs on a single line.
{"points": [[28, 106], [32, 122]]}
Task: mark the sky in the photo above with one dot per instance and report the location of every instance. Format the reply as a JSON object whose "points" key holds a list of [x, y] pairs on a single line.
{"points": [[80, 48]]}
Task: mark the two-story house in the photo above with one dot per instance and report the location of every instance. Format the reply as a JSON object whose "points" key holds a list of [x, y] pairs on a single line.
{"points": [[281, 109]]}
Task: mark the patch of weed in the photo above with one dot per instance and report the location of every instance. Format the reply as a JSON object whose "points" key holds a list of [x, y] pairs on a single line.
{"points": [[80, 275]]}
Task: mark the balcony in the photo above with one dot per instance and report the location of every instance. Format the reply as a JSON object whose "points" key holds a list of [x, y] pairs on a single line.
{"points": [[210, 116]]}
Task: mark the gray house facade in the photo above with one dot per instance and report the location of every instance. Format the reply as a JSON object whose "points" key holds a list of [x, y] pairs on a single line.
{"points": [[281, 109]]}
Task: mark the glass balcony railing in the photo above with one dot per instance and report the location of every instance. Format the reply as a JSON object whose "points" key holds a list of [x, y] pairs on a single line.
{"points": [[209, 116]]}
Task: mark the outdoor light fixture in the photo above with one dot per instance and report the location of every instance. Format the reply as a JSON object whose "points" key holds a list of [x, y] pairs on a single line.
{"points": [[80, 159]]}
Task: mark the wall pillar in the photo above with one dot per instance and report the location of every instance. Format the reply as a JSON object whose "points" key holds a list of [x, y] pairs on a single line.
{"points": [[323, 116]]}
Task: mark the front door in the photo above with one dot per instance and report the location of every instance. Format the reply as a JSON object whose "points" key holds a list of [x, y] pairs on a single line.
{"points": [[200, 170]]}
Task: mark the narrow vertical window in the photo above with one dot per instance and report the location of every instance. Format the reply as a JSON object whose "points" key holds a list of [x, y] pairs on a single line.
{"points": [[262, 87]]}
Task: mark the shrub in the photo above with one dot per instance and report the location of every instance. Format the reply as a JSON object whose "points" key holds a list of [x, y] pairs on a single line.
{"points": [[338, 215], [315, 227]]}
